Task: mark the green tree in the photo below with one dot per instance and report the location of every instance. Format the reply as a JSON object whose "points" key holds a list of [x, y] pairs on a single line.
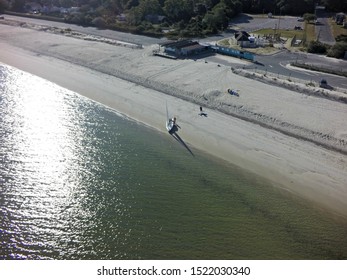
{"points": [[217, 18], [316, 47], [118, 6], [341, 38], [134, 17], [264, 6], [146, 7], [18, 5], [3, 6], [99, 22], [66, 3], [232, 7], [295, 7], [177, 10], [131, 4], [220, 14], [335, 5], [338, 50], [210, 23], [309, 17]]}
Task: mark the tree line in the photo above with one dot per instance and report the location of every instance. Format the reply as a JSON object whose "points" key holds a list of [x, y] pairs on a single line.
{"points": [[181, 18], [194, 17]]}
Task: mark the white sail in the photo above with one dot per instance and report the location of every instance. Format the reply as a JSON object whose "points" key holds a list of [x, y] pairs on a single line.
{"points": [[169, 122]]}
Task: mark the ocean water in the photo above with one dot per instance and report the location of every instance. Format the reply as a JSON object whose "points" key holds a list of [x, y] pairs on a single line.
{"points": [[80, 181]]}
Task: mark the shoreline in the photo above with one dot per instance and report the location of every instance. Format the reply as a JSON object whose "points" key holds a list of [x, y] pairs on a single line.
{"points": [[211, 99], [308, 170]]}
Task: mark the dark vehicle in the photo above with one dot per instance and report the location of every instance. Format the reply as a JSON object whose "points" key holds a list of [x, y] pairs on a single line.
{"points": [[323, 83]]}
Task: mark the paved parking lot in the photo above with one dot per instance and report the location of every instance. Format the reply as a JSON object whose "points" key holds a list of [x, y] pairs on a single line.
{"points": [[251, 23]]}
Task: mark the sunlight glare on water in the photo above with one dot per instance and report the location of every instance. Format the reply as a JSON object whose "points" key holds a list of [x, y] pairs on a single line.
{"points": [[80, 181], [48, 158]]}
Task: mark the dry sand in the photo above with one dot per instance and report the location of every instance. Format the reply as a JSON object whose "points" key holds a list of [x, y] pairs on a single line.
{"points": [[138, 84]]}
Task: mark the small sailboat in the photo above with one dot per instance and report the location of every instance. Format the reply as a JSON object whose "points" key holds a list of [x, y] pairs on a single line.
{"points": [[170, 122]]}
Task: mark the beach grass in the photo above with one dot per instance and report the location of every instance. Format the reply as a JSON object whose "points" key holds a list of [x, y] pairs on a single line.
{"points": [[337, 29], [310, 33], [283, 32]]}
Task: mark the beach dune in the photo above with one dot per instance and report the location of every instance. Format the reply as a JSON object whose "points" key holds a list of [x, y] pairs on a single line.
{"points": [[295, 140]]}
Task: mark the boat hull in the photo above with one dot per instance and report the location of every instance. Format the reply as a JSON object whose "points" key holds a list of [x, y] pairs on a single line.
{"points": [[169, 126]]}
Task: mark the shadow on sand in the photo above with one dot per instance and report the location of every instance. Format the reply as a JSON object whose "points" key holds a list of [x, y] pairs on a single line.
{"points": [[174, 134]]}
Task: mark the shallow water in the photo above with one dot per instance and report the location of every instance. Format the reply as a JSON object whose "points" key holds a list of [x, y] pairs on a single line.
{"points": [[79, 181]]}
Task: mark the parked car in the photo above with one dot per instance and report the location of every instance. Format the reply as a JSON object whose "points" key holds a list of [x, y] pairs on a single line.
{"points": [[300, 19], [323, 83]]}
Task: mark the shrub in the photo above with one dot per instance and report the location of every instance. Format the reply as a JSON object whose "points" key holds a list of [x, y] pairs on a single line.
{"points": [[341, 38], [316, 47], [3, 6], [99, 22], [338, 50]]}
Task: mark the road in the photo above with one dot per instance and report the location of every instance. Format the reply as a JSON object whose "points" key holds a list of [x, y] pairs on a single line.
{"points": [[272, 63], [251, 23], [323, 29], [278, 64], [120, 36]]}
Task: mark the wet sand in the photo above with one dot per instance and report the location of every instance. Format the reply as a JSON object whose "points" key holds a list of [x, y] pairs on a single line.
{"points": [[252, 130]]}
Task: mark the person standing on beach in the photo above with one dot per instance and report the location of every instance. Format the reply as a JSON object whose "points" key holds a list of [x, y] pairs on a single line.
{"points": [[202, 113]]}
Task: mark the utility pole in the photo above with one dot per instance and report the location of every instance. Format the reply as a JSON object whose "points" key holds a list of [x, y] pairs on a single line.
{"points": [[279, 18], [275, 32]]}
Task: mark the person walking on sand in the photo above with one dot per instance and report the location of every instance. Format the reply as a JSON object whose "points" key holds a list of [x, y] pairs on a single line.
{"points": [[202, 113], [174, 120]]}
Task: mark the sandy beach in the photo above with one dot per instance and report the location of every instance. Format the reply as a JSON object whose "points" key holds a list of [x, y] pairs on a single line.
{"points": [[296, 140]]}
